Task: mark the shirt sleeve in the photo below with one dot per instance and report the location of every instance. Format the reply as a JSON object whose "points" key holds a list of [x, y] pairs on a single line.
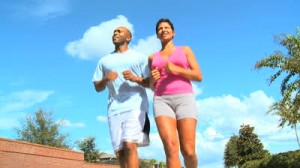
{"points": [[98, 74], [144, 67]]}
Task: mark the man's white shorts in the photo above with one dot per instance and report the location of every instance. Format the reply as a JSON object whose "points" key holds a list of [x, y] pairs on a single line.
{"points": [[128, 127]]}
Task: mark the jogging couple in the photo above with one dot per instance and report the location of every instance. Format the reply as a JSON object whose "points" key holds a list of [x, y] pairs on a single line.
{"points": [[169, 73]]}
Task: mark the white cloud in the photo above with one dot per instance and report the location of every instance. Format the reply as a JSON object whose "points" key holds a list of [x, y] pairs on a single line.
{"points": [[209, 151], [96, 41], [148, 46], [102, 119], [197, 90], [226, 113], [7, 123], [23, 99], [212, 134], [51, 8], [220, 118], [45, 9], [12, 105], [68, 123], [282, 135], [154, 150], [150, 95]]}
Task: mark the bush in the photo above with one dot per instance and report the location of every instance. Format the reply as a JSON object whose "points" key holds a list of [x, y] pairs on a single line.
{"points": [[289, 159], [260, 163]]}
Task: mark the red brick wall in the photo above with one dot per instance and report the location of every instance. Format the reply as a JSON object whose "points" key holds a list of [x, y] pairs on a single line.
{"points": [[19, 154]]}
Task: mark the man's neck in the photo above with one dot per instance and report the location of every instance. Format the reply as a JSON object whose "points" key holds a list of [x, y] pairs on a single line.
{"points": [[121, 49]]}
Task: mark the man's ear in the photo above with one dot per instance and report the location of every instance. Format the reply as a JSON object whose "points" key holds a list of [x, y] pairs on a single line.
{"points": [[128, 39]]}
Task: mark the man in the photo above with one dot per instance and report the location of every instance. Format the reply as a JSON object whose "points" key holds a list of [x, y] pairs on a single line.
{"points": [[123, 72]]}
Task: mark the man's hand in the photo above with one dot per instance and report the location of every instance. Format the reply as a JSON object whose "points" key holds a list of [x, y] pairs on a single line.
{"points": [[128, 75], [111, 76], [101, 85]]}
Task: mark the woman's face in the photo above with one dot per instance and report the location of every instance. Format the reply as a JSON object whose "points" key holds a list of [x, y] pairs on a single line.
{"points": [[165, 32]]}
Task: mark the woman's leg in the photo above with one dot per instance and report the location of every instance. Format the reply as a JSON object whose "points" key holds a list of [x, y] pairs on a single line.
{"points": [[187, 136], [167, 129]]}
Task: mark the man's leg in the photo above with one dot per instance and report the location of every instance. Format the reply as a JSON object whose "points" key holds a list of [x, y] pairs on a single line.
{"points": [[131, 155], [132, 136], [121, 157]]}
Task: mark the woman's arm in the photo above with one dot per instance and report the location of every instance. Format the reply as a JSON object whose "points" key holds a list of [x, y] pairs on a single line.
{"points": [[194, 73], [154, 73]]}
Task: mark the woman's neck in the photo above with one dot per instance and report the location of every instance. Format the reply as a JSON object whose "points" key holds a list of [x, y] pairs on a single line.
{"points": [[168, 46]]}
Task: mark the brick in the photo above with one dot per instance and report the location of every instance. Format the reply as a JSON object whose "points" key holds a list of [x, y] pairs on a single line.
{"points": [[19, 154]]}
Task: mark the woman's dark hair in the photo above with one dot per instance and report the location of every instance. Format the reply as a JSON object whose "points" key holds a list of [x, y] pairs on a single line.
{"points": [[164, 20]]}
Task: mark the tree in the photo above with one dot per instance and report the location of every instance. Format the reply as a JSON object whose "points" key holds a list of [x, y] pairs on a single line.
{"points": [[249, 146], [147, 163], [41, 128], [153, 161], [288, 108], [231, 153], [88, 146], [162, 164]]}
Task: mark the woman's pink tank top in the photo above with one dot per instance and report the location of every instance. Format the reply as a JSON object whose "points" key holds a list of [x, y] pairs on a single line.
{"points": [[170, 83]]}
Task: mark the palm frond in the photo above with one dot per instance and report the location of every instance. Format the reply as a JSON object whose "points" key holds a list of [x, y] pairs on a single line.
{"points": [[275, 60], [285, 85]]}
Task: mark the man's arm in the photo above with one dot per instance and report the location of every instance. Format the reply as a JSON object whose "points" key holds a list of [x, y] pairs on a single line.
{"points": [[101, 85], [128, 75]]}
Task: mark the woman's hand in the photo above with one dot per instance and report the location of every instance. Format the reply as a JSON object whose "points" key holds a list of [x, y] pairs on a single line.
{"points": [[154, 76], [170, 67]]}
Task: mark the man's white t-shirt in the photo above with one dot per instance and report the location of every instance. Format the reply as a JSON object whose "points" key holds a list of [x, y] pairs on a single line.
{"points": [[124, 95]]}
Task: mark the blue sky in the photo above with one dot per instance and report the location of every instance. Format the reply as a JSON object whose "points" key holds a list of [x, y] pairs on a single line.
{"points": [[50, 48]]}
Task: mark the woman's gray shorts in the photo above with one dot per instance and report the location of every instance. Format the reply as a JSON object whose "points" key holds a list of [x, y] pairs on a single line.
{"points": [[177, 106]]}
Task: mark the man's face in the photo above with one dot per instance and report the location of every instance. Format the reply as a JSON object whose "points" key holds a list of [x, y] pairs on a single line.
{"points": [[120, 36]]}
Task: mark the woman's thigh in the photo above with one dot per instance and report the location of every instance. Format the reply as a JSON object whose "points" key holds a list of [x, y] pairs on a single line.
{"points": [[187, 133]]}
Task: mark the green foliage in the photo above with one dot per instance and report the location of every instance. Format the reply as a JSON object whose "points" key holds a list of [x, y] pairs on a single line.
{"points": [[41, 128], [231, 153], [148, 163], [88, 146], [287, 65], [257, 163], [246, 147], [162, 164], [289, 159], [249, 146], [143, 163], [250, 153]]}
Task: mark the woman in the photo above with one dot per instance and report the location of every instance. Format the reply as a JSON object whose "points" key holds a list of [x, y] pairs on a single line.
{"points": [[172, 70]]}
